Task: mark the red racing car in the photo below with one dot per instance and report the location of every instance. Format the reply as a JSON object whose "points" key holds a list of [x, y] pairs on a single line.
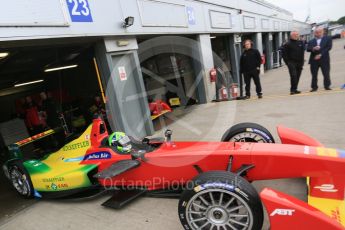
{"points": [[211, 179]]}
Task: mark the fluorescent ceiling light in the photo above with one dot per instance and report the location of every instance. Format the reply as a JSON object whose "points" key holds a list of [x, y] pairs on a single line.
{"points": [[28, 83], [3, 55], [213, 37], [60, 68]]}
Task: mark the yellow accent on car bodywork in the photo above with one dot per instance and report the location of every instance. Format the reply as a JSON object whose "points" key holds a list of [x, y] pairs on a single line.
{"points": [[331, 207], [62, 170]]}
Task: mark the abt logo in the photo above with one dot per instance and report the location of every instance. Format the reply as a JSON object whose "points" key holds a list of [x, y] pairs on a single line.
{"points": [[282, 212]]}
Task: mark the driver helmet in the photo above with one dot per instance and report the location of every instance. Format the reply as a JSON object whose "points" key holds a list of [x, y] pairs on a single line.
{"points": [[114, 140]]}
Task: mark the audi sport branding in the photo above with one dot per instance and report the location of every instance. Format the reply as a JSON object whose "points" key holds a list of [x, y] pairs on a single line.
{"points": [[326, 188], [282, 212]]}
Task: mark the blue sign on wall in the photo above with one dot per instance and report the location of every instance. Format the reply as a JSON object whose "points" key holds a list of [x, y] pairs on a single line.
{"points": [[191, 16], [79, 10]]}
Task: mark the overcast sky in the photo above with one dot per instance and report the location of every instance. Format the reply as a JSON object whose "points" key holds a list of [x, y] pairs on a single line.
{"points": [[320, 10]]}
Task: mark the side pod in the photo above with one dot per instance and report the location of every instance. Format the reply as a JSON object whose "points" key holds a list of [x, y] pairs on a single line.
{"points": [[286, 212], [295, 137]]}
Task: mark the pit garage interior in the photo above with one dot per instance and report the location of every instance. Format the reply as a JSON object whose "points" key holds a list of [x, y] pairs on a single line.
{"points": [[43, 87], [172, 74], [223, 48]]}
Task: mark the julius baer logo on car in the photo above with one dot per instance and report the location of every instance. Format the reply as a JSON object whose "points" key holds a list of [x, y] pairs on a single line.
{"points": [[98, 156]]}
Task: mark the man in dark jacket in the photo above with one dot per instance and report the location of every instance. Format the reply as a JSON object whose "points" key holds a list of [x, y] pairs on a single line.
{"points": [[319, 57], [250, 67], [293, 55]]}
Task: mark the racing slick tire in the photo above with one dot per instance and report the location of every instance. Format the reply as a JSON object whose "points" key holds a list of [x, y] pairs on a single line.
{"points": [[20, 180], [220, 200], [248, 132]]}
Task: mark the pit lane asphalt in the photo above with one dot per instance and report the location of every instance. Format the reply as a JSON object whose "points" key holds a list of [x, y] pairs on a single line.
{"points": [[320, 115]]}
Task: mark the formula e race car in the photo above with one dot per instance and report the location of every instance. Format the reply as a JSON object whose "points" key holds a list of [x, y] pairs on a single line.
{"points": [[212, 179]]}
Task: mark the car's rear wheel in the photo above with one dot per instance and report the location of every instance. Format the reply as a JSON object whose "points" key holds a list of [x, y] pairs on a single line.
{"points": [[21, 181], [220, 200], [248, 132]]}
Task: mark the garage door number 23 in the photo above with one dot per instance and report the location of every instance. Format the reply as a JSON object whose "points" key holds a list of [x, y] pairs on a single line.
{"points": [[76, 11]]}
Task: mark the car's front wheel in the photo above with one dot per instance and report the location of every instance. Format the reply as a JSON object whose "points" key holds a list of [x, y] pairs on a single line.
{"points": [[248, 132], [220, 200], [21, 181]]}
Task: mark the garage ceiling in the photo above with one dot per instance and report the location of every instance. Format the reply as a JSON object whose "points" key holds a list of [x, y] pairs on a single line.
{"points": [[28, 63]]}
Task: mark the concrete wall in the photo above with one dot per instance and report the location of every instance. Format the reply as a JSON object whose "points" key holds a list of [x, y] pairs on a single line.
{"points": [[44, 19]]}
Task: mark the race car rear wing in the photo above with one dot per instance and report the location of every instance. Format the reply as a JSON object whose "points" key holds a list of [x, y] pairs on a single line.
{"points": [[14, 149]]}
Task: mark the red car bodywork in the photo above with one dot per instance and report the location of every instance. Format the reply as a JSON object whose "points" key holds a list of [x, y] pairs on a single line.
{"points": [[297, 156]]}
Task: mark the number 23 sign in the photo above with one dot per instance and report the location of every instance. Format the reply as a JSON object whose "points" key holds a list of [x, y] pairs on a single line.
{"points": [[79, 10]]}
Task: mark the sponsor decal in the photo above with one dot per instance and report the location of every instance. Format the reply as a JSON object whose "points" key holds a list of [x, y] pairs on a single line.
{"points": [[306, 150], [184, 204], [282, 212], [98, 156], [53, 179], [76, 146], [217, 184], [326, 152], [197, 188], [242, 193], [62, 185], [74, 159], [37, 164], [35, 137], [326, 188], [262, 134], [87, 137], [335, 214], [54, 186], [341, 153]]}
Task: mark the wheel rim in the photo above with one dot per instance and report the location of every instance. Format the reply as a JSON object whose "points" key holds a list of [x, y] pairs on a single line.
{"points": [[218, 209], [248, 137], [19, 182]]}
